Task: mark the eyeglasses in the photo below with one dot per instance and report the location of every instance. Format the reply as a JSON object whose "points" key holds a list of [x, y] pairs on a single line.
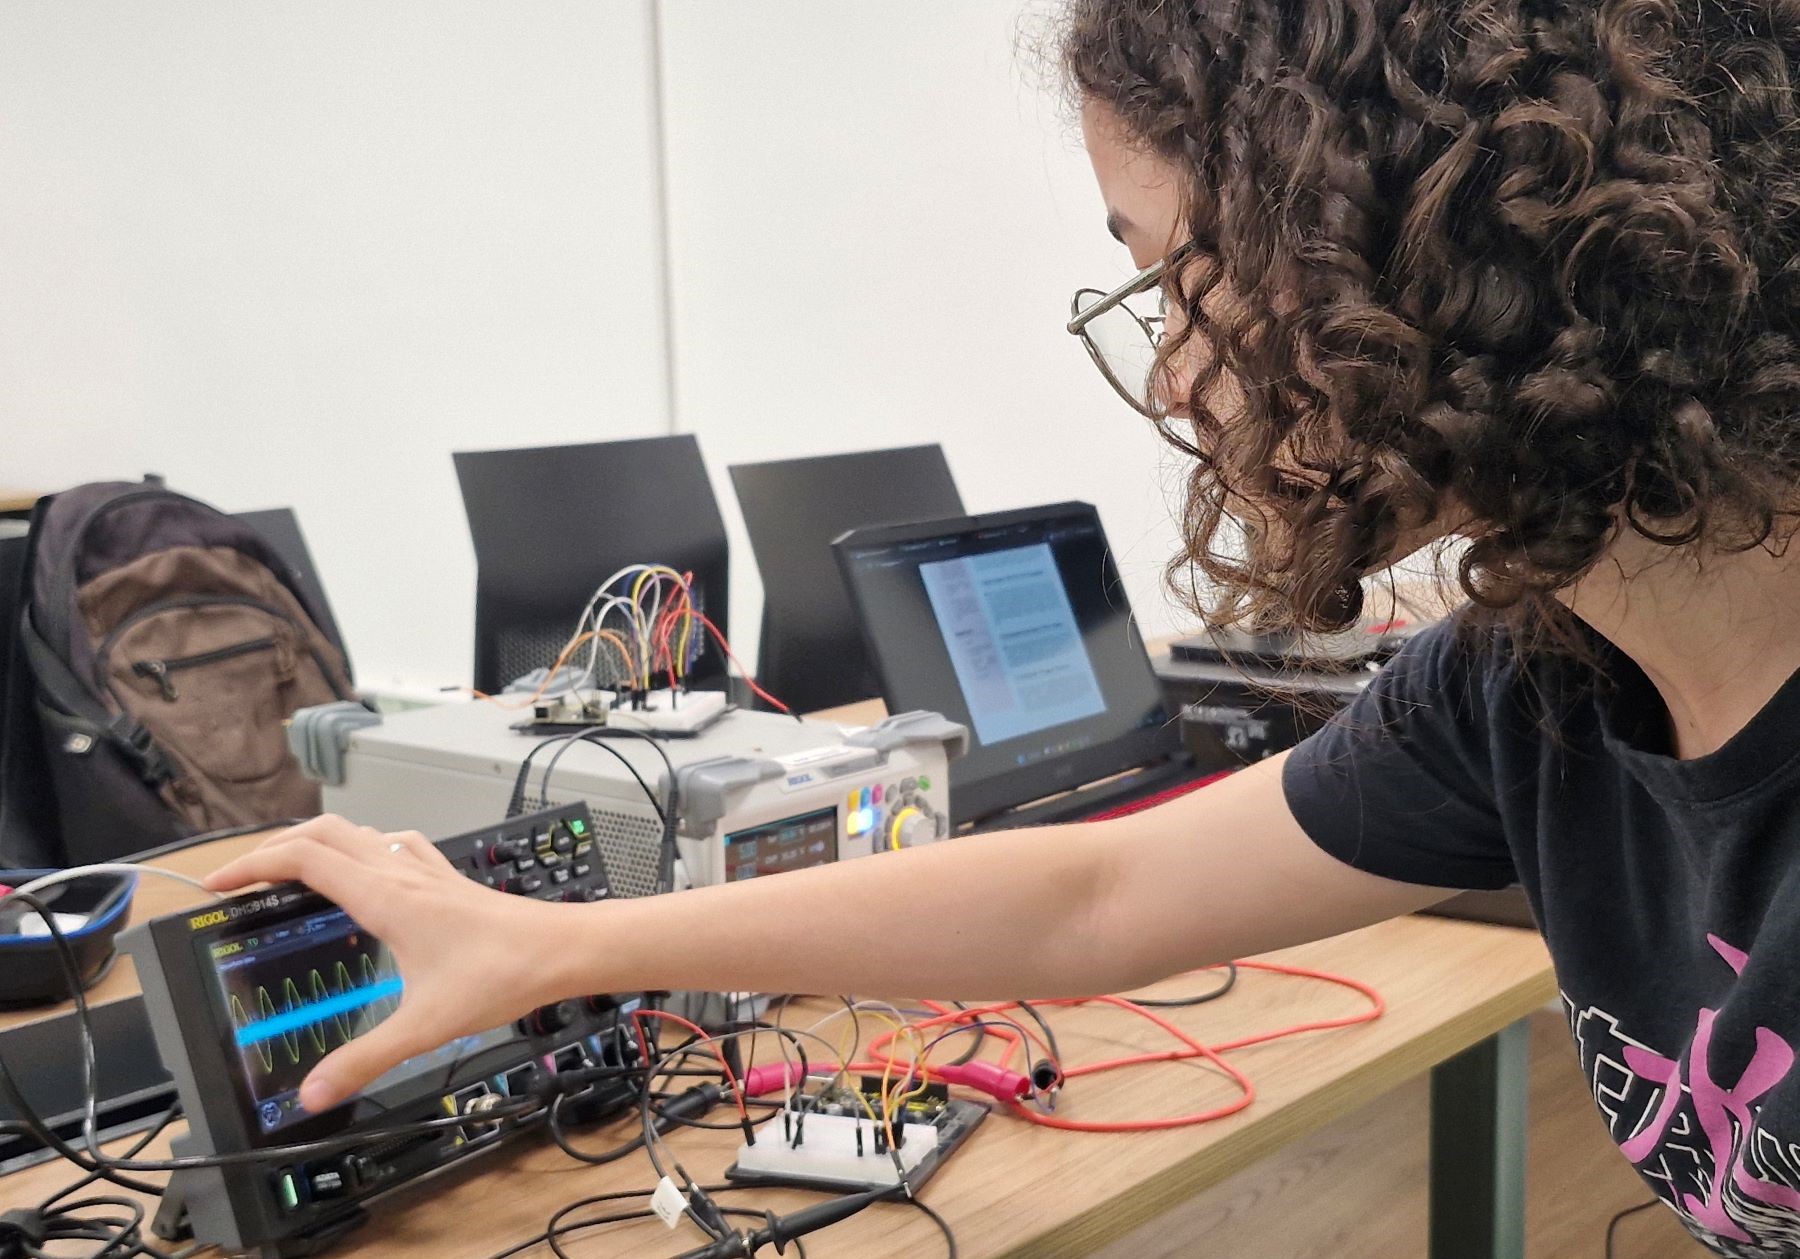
{"points": [[1122, 341]]}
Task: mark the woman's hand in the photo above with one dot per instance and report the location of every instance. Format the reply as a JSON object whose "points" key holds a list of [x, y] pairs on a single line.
{"points": [[470, 958]]}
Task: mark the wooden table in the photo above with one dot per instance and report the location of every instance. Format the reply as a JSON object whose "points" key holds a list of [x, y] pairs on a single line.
{"points": [[1456, 993], [17, 502]]}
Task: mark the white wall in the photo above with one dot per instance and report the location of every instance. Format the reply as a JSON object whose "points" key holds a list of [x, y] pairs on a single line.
{"points": [[878, 215], [297, 253]]}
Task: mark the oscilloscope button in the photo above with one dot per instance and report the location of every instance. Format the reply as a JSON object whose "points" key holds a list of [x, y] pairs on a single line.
{"points": [[582, 869], [563, 842], [547, 1020], [498, 854], [531, 883], [559, 876]]}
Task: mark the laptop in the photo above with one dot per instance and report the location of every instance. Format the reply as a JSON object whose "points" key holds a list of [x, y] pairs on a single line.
{"points": [[1016, 625]]}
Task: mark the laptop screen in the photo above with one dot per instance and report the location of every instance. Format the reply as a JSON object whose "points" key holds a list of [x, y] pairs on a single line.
{"points": [[1016, 625]]}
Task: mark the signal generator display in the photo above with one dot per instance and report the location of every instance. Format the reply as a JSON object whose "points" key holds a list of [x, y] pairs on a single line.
{"points": [[790, 844]]}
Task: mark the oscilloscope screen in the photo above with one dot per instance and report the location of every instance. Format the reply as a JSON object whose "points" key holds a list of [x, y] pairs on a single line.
{"points": [[294, 991]]}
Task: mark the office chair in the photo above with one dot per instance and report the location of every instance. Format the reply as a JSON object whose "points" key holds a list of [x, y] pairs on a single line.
{"points": [[550, 524], [812, 653], [29, 835]]}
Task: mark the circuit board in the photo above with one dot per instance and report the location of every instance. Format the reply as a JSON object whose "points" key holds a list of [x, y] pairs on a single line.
{"points": [[831, 1141], [663, 713]]}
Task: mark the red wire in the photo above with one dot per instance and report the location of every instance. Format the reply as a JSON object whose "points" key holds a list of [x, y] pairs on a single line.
{"points": [[670, 617], [1190, 1048], [737, 1088], [748, 679]]}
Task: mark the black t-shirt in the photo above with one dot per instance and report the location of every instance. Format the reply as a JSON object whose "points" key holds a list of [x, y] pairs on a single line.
{"points": [[1668, 891]]}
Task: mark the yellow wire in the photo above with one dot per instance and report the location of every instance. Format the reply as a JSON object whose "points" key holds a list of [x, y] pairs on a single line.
{"points": [[891, 1108], [900, 1029], [651, 573]]}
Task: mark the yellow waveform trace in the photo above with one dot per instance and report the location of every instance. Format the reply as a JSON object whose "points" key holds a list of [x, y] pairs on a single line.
{"points": [[347, 1025]]}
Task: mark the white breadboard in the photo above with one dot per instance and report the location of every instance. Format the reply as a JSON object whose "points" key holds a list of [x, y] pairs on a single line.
{"points": [[663, 712], [667, 713], [828, 1152]]}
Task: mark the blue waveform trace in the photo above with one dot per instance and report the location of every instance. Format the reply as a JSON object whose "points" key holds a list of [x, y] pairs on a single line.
{"points": [[316, 1011]]}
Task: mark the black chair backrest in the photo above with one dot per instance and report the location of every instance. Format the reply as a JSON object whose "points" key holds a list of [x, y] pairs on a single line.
{"points": [[550, 524], [27, 807], [812, 654]]}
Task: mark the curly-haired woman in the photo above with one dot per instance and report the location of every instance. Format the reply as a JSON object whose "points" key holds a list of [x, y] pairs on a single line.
{"points": [[1516, 274]]}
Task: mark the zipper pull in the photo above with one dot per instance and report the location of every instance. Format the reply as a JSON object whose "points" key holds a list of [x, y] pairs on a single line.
{"points": [[160, 671], [285, 659]]}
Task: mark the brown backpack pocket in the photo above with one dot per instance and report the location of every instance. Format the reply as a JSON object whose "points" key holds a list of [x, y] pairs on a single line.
{"points": [[214, 680]]}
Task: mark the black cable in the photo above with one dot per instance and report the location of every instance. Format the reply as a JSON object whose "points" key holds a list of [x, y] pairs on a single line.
{"points": [[90, 1122], [555, 1238], [671, 813], [1049, 1036], [120, 1236], [585, 737], [982, 1026], [943, 1224], [150, 1134], [561, 1138], [1182, 1003], [968, 1055], [735, 1125], [1612, 1227], [515, 803], [905, 1082], [327, 1145], [700, 1099], [668, 811], [769, 1111], [558, 1229], [698, 1046]]}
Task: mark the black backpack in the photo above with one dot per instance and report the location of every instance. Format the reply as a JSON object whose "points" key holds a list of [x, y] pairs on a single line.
{"points": [[163, 645]]}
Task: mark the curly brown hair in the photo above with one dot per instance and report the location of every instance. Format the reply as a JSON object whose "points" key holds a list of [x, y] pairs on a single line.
{"points": [[1530, 266]]}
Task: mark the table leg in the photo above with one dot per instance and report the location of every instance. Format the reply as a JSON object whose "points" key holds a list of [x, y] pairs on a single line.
{"points": [[1478, 1150]]}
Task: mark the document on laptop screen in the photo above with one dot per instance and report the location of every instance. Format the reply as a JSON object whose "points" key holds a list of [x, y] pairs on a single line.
{"points": [[1011, 633]]}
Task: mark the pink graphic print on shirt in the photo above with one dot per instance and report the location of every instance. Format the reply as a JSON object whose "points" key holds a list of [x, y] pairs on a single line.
{"points": [[1735, 1185]]}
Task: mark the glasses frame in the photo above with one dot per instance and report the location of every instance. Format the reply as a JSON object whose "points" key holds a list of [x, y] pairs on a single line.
{"points": [[1142, 282]]}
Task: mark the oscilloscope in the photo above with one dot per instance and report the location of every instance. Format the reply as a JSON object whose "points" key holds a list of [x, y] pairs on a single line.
{"points": [[247, 995]]}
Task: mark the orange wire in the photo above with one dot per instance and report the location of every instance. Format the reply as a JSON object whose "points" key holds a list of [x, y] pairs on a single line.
{"points": [[737, 1087], [1190, 1048], [617, 642]]}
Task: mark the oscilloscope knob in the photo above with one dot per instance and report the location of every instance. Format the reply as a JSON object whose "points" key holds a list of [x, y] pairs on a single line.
{"points": [[503, 851], [547, 1020], [911, 826]]}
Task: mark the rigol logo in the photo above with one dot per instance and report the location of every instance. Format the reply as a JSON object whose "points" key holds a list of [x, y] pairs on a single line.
{"points": [[200, 921]]}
